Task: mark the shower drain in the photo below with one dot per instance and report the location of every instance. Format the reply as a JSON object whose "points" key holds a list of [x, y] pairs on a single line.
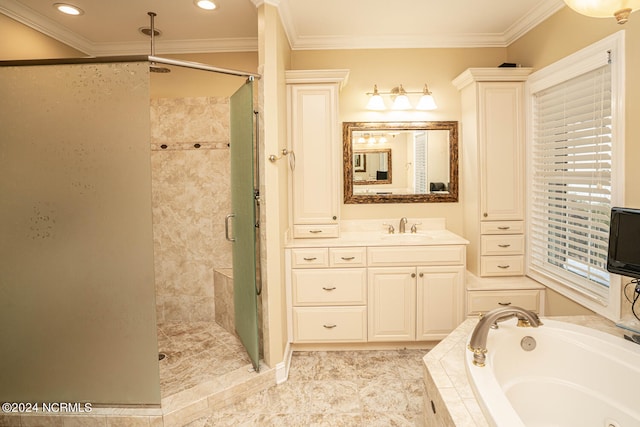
{"points": [[161, 356]]}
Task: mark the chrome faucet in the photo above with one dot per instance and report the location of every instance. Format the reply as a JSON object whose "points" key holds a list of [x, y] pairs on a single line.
{"points": [[478, 341], [403, 223]]}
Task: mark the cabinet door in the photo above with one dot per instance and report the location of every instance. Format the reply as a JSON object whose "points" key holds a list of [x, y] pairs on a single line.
{"points": [[440, 301], [392, 295], [314, 141], [501, 128]]}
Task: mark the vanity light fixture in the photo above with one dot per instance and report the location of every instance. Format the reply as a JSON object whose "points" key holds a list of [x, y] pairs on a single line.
{"points": [[205, 4], [400, 99], [68, 9], [621, 9], [376, 102]]}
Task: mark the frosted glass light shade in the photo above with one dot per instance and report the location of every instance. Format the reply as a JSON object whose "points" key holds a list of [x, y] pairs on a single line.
{"points": [[605, 8], [376, 103], [426, 103], [401, 103]]}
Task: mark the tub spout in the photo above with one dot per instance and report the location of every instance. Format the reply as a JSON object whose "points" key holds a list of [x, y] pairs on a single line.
{"points": [[478, 341]]}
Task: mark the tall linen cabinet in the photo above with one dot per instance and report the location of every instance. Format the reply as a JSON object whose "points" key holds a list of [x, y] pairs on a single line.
{"points": [[493, 171], [314, 138]]}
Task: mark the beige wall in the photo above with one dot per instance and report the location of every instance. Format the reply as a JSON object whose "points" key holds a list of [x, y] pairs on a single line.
{"points": [[412, 68], [274, 60], [17, 41], [184, 82]]}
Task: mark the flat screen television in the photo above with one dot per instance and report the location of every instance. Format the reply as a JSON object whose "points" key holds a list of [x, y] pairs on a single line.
{"points": [[624, 242]]}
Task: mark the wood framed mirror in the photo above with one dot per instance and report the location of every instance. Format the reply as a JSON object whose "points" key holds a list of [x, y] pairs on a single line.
{"points": [[423, 157]]}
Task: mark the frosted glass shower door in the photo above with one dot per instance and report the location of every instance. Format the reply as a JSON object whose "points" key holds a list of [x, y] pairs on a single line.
{"points": [[243, 224]]}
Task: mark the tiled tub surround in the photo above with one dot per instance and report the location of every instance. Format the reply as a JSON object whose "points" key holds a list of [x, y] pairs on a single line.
{"points": [[448, 390], [191, 196]]}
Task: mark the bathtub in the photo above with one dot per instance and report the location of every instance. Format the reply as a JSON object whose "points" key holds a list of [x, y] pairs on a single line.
{"points": [[574, 376]]}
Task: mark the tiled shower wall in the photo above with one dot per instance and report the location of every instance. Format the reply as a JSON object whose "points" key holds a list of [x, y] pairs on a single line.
{"points": [[191, 196]]}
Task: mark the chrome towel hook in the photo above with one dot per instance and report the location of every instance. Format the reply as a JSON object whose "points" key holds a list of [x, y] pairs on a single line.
{"points": [[285, 152]]}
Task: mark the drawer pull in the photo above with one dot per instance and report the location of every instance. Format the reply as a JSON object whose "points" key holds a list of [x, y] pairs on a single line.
{"points": [[504, 266], [504, 246], [504, 227], [348, 258], [310, 258], [333, 288], [504, 303], [329, 326], [315, 231]]}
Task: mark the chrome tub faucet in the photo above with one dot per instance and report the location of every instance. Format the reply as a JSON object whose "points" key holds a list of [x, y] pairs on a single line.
{"points": [[478, 341]]}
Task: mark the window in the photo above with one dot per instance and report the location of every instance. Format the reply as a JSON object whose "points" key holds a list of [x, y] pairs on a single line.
{"points": [[574, 146]]}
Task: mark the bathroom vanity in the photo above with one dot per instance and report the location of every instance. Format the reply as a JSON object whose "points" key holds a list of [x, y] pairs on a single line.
{"points": [[372, 286]]}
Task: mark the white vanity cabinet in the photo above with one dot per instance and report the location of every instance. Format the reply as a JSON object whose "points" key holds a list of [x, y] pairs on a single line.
{"points": [[422, 300], [314, 137], [328, 294], [349, 294], [492, 174]]}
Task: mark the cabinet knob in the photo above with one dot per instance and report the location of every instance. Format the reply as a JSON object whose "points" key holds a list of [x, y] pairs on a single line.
{"points": [[421, 275], [335, 217], [485, 214], [413, 274]]}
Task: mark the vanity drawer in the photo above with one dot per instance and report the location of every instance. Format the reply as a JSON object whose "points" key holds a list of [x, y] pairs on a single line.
{"points": [[329, 324], [310, 257], [508, 244], [483, 301], [347, 257], [337, 286], [385, 256], [502, 265], [315, 231], [502, 227]]}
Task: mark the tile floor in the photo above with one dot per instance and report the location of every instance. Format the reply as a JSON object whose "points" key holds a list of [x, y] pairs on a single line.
{"points": [[196, 352], [350, 388]]}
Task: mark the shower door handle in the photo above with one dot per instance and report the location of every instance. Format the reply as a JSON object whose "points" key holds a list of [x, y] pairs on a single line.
{"points": [[227, 219]]}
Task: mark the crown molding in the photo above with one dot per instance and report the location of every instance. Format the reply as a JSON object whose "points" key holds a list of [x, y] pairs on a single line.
{"points": [[398, 42], [38, 22], [530, 20]]}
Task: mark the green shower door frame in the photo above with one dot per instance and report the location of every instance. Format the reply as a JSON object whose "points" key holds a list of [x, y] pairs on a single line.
{"points": [[241, 223]]}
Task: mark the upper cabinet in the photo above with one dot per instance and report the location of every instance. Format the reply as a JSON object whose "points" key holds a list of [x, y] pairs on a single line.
{"points": [[492, 171], [314, 138]]}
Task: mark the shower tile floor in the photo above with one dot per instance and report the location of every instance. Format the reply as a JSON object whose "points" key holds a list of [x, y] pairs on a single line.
{"points": [[196, 352], [342, 388]]}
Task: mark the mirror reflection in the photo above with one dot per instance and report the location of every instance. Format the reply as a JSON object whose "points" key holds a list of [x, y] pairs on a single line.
{"points": [[371, 166], [400, 162]]}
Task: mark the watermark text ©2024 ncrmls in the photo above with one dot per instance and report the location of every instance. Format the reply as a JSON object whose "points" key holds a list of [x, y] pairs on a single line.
{"points": [[46, 407]]}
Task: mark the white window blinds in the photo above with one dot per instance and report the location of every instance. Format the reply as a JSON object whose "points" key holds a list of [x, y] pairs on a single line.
{"points": [[571, 181]]}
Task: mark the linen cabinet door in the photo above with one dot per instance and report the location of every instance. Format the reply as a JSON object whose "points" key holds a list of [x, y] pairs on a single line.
{"points": [[391, 308], [440, 301]]}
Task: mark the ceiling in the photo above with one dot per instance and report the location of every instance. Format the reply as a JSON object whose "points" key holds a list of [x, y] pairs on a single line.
{"points": [[109, 28]]}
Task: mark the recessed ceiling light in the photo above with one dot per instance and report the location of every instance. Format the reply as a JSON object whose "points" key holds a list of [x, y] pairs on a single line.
{"points": [[68, 9], [205, 4]]}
